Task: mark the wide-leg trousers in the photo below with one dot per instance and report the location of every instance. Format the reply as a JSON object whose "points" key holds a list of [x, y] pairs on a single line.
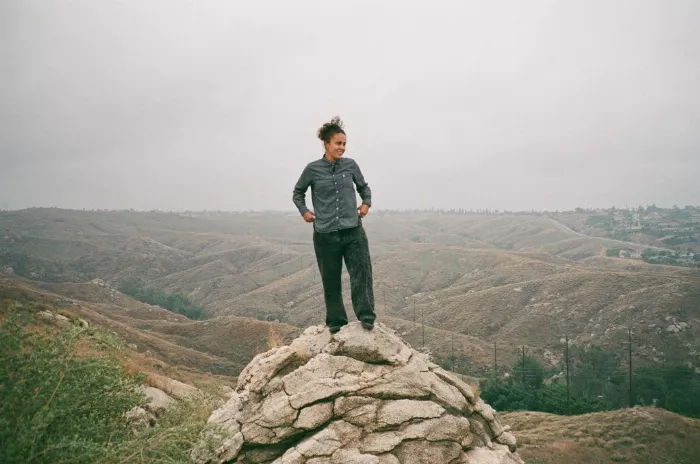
{"points": [[331, 249]]}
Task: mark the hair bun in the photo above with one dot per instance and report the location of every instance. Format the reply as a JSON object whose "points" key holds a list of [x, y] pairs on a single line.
{"points": [[329, 129]]}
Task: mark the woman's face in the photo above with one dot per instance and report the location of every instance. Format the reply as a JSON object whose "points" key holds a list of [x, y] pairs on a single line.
{"points": [[336, 146]]}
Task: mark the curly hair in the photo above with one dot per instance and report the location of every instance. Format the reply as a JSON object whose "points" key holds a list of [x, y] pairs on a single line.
{"points": [[329, 129]]}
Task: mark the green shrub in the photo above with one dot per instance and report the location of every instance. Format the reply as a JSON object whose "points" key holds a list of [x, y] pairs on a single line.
{"points": [[171, 440], [56, 406], [176, 302]]}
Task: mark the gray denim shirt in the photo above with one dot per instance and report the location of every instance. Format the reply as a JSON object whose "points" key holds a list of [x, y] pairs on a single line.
{"points": [[332, 193]]}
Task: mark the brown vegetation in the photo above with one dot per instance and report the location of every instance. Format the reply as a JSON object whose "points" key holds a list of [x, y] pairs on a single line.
{"points": [[637, 435]]}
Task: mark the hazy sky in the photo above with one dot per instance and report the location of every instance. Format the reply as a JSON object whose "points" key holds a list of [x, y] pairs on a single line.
{"points": [[478, 104]]}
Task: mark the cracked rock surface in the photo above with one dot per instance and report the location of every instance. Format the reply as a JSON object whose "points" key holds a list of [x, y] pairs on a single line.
{"points": [[357, 397]]}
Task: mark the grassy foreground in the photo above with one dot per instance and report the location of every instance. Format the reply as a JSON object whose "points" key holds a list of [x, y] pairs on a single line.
{"points": [[636, 435], [65, 397]]}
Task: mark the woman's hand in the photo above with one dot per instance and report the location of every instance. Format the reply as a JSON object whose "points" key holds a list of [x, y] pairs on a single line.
{"points": [[363, 209], [309, 216]]}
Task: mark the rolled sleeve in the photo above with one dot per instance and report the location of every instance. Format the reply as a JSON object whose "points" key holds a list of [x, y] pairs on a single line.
{"points": [[362, 185], [299, 193]]}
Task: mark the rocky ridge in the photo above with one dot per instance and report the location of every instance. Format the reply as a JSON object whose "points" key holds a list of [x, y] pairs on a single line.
{"points": [[357, 397]]}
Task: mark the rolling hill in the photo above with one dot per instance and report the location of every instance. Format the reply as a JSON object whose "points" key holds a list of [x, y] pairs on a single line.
{"points": [[510, 279], [637, 436]]}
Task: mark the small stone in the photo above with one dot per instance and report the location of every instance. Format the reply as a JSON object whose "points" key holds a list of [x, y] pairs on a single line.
{"points": [[399, 411], [388, 459], [358, 410], [329, 440], [158, 399], [380, 442], [292, 456], [46, 314], [426, 452], [314, 416], [353, 456], [508, 439]]}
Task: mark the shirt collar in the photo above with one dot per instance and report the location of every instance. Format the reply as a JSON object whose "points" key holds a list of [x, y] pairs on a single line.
{"points": [[323, 158]]}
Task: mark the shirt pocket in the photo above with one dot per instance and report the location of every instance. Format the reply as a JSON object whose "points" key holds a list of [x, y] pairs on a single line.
{"points": [[346, 181]]}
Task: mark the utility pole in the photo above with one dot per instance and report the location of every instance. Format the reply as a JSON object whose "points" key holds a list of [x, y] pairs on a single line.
{"points": [[523, 368], [422, 322], [495, 361], [568, 410], [414, 312], [629, 339], [453, 351]]}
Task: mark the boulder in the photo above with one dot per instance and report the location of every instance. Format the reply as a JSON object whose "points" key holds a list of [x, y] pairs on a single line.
{"points": [[172, 387], [157, 399], [357, 397]]}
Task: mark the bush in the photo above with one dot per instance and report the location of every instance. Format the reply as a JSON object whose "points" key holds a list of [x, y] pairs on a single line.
{"points": [[176, 302], [529, 372], [59, 407], [172, 438], [56, 406], [673, 387], [506, 395]]}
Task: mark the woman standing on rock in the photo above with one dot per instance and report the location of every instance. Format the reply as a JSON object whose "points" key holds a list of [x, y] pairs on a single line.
{"points": [[337, 222]]}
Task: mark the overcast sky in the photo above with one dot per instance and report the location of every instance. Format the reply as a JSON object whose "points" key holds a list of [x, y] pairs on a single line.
{"points": [[478, 104]]}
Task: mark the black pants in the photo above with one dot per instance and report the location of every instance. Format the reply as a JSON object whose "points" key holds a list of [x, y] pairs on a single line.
{"points": [[331, 248]]}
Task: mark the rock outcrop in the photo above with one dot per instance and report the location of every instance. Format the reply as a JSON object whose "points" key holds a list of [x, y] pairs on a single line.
{"points": [[357, 397]]}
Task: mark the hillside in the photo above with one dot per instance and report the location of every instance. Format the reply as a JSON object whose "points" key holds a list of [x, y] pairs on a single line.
{"points": [[509, 279], [220, 346], [676, 228], [636, 436]]}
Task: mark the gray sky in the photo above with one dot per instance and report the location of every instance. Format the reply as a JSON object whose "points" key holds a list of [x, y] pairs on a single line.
{"points": [[215, 104]]}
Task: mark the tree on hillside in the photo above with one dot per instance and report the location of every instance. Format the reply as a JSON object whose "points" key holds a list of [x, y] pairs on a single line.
{"points": [[529, 372], [176, 302], [596, 373], [675, 387]]}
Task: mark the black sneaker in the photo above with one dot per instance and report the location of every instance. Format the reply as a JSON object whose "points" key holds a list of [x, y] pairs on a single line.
{"points": [[335, 329], [369, 325]]}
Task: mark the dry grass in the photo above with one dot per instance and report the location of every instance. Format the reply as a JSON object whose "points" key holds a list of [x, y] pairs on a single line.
{"points": [[476, 390], [165, 343], [274, 339], [637, 435], [69, 314]]}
